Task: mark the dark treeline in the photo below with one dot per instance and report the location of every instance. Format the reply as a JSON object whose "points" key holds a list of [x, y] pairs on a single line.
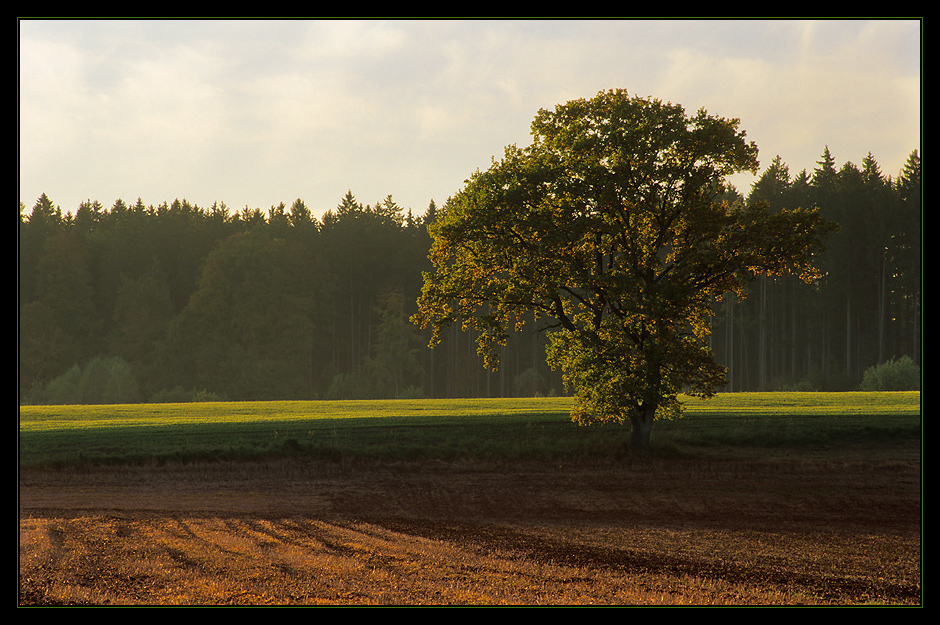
{"points": [[866, 308], [168, 303], [177, 302]]}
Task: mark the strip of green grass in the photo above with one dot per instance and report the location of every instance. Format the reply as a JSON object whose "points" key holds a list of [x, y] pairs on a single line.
{"points": [[778, 419], [488, 429]]}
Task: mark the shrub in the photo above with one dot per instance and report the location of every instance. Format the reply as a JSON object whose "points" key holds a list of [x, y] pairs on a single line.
{"points": [[205, 395], [412, 392], [65, 389], [102, 381], [893, 375], [345, 386], [529, 383], [176, 395]]}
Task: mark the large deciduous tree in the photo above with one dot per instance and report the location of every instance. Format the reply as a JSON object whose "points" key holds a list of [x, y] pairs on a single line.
{"points": [[612, 228]]}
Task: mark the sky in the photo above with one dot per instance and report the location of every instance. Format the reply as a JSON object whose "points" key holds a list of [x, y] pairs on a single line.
{"points": [[255, 113]]}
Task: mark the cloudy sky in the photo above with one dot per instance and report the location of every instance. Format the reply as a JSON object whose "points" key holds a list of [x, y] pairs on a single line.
{"points": [[255, 113]]}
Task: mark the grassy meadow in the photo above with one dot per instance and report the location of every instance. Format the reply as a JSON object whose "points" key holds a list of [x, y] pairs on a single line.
{"points": [[446, 430]]}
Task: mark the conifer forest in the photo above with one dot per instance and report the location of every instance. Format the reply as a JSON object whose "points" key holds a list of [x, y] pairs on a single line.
{"points": [[176, 302]]}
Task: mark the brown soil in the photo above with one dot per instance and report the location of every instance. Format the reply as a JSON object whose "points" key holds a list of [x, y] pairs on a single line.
{"points": [[832, 528]]}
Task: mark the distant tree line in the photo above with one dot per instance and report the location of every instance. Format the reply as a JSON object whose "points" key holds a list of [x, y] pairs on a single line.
{"points": [[177, 302], [865, 311]]}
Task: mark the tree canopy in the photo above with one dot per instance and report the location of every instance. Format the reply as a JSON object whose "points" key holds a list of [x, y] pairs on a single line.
{"points": [[613, 230]]}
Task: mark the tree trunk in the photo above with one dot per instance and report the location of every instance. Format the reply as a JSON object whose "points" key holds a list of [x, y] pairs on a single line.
{"points": [[642, 422]]}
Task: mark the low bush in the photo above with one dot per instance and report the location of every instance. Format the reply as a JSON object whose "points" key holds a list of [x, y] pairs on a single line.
{"points": [[893, 375], [107, 380]]}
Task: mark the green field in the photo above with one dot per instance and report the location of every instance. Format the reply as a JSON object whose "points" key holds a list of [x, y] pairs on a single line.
{"points": [[482, 429]]}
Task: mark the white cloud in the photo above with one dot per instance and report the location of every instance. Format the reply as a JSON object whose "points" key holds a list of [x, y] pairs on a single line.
{"points": [[254, 113]]}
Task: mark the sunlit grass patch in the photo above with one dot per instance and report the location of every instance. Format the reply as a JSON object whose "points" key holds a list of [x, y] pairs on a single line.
{"points": [[415, 430]]}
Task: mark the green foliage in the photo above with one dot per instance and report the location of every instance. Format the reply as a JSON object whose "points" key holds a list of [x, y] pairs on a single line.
{"points": [[142, 313], [613, 226], [387, 374], [101, 381], [894, 375], [175, 395], [349, 386], [208, 396], [529, 383], [251, 321], [65, 389], [396, 361], [411, 392], [46, 349]]}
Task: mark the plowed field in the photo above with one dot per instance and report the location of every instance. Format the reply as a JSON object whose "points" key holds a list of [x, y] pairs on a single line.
{"points": [[826, 528]]}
